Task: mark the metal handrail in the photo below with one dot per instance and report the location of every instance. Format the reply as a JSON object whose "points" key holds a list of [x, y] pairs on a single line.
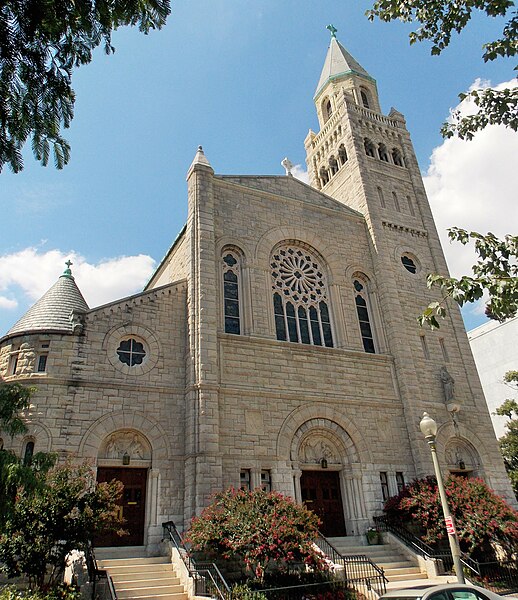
{"points": [[409, 539], [95, 574], [358, 568], [505, 573], [201, 572]]}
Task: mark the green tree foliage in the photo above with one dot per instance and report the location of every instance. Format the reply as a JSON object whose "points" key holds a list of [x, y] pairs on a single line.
{"points": [[14, 399], [40, 44], [48, 523], [14, 473], [509, 442], [438, 21], [481, 517], [495, 272], [264, 529], [61, 592]]}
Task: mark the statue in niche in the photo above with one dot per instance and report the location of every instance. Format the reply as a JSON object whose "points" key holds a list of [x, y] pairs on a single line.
{"points": [[135, 449], [112, 448], [448, 385]]}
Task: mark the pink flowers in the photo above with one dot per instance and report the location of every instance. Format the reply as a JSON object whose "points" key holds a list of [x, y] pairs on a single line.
{"points": [[264, 529]]}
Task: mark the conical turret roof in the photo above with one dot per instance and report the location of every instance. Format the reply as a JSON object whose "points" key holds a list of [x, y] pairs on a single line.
{"points": [[339, 62], [52, 310]]}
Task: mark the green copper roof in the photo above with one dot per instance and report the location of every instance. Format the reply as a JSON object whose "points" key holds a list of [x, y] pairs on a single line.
{"points": [[52, 311], [338, 63]]}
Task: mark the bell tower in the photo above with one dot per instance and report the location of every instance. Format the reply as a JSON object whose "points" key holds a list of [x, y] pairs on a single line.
{"points": [[365, 160]]}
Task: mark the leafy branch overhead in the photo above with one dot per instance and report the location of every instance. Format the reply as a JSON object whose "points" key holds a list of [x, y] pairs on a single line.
{"points": [[40, 44], [495, 273], [438, 22]]}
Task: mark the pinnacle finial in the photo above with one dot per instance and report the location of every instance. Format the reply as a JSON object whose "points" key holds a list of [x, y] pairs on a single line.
{"points": [[67, 272], [332, 30]]}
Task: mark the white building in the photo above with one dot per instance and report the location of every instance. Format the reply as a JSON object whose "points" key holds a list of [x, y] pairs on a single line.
{"points": [[495, 350]]}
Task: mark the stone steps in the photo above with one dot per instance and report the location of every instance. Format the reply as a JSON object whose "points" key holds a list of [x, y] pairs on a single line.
{"points": [[399, 571], [137, 576]]}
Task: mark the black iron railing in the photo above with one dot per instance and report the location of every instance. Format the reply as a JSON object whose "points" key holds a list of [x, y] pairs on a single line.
{"points": [[95, 575], [358, 569], [413, 542], [208, 581], [498, 576]]}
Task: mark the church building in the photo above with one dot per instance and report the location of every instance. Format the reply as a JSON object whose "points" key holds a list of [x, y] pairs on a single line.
{"points": [[276, 345]]}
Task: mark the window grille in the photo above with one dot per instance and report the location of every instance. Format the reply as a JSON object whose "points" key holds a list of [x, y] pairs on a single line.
{"points": [[363, 312], [231, 292], [300, 297]]}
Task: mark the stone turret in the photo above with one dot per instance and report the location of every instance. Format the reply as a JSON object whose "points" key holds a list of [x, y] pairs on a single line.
{"points": [[56, 311], [43, 331]]}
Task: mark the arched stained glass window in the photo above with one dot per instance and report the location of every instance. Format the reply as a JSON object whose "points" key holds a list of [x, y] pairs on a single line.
{"points": [[363, 311], [28, 453], [231, 292], [300, 300]]}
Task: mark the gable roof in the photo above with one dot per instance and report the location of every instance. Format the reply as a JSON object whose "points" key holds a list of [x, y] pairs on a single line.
{"points": [[288, 186]]}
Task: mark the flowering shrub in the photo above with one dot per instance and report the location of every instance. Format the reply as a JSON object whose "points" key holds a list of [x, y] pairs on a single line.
{"points": [[262, 528], [481, 517]]}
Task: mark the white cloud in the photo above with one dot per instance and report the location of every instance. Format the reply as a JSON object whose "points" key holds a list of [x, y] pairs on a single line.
{"points": [[472, 184], [8, 303], [299, 172], [26, 275]]}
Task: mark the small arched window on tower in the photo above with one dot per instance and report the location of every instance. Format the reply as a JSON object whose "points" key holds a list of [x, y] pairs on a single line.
{"points": [[28, 452], [381, 197], [300, 303], [363, 310], [342, 155], [327, 109], [324, 176], [397, 157], [333, 165], [383, 153], [370, 149], [396, 202], [365, 98], [231, 267]]}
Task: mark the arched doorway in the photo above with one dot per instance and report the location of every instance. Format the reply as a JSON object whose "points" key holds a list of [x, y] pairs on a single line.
{"points": [[125, 455], [329, 481]]}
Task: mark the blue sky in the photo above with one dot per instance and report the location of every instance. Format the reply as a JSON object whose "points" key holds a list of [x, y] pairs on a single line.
{"points": [[238, 77]]}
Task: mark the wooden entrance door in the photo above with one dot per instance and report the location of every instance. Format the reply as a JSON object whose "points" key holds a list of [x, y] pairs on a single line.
{"points": [[321, 494], [132, 504]]}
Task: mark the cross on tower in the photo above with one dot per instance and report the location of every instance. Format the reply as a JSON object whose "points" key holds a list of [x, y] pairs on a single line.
{"points": [[332, 30], [69, 263]]}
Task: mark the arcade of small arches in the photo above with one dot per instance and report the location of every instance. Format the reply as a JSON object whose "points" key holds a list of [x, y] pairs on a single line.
{"points": [[363, 98], [380, 151]]}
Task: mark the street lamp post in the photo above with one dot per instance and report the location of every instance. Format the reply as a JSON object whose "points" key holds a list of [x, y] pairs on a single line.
{"points": [[429, 428]]}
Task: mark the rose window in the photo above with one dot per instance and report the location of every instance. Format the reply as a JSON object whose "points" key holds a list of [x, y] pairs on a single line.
{"points": [[300, 297]]}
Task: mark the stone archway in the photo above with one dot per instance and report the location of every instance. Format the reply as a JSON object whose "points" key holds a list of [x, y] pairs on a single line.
{"points": [[328, 476], [462, 458], [126, 455]]}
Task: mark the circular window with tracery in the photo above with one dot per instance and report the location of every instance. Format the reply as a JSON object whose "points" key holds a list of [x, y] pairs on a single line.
{"points": [[131, 352], [298, 275], [300, 297]]}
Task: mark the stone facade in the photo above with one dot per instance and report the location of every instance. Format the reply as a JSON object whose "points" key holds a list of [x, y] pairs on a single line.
{"points": [[195, 380]]}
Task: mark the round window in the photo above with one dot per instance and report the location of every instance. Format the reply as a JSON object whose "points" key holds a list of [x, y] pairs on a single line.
{"points": [[131, 352], [409, 264]]}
